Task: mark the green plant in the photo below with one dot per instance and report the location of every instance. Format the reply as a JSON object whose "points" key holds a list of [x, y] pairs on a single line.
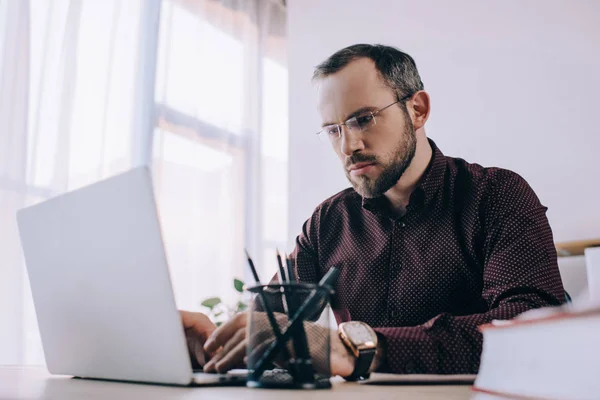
{"points": [[220, 312]]}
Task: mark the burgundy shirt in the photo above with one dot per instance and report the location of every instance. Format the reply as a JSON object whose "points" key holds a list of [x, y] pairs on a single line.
{"points": [[474, 245]]}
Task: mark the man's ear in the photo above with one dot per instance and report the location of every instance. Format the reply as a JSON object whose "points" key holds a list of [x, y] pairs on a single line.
{"points": [[419, 107]]}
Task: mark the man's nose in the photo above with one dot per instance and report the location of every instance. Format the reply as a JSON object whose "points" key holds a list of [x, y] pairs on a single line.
{"points": [[350, 141]]}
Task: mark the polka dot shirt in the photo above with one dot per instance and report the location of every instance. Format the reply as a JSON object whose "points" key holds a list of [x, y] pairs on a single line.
{"points": [[474, 245]]}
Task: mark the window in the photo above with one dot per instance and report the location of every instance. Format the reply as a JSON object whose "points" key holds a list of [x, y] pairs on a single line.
{"points": [[220, 149], [218, 143]]}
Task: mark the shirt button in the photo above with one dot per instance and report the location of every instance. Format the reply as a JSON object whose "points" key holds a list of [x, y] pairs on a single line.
{"points": [[402, 225], [394, 313]]}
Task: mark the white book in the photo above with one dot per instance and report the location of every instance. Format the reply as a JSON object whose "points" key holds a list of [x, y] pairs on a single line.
{"points": [[380, 378], [551, 353], [592, 265]]}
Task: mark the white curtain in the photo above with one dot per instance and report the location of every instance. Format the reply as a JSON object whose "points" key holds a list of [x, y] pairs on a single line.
{"points": [[91, 88], [14, 83], [220, 148]]}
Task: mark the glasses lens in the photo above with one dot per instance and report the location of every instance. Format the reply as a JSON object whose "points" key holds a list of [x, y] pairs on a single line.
{"points": [[329, 132], [364, 122], [332, 131]]}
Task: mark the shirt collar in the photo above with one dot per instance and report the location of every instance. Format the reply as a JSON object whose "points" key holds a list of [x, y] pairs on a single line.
{"points": [[427, 189]]}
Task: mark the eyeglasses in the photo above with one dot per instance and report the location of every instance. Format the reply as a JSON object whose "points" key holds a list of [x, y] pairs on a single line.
{"points": [[360, 123]]}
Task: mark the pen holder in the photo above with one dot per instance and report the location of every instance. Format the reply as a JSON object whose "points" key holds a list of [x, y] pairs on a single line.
{"points": [[289, 336]]}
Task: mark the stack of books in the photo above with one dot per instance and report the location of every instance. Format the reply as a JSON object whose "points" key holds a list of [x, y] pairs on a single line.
{"points": [[549, 353]]}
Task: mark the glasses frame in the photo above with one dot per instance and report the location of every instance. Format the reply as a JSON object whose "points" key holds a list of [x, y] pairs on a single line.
{"points": [[352, 123]]}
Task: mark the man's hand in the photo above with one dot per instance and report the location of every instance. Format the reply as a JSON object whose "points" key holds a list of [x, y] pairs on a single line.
{"points": [[197, 328], [342, 360], [227, 344]]}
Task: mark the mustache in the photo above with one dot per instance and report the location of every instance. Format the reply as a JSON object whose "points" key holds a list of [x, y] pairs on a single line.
{"points": [[358, 158]]}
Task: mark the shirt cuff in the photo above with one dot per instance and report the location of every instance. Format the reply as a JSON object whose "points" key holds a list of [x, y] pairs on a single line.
{"points": [[408, 350]]}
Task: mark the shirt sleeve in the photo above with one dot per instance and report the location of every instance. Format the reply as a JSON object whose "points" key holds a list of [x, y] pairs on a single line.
{"points": [[520, 272], [305, 254]]}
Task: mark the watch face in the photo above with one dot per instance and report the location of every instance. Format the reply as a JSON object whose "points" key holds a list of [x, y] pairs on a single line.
{"points": [[358, 333]]}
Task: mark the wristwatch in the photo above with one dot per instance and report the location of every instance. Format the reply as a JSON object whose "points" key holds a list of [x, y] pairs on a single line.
{"points": [[361, 340]]}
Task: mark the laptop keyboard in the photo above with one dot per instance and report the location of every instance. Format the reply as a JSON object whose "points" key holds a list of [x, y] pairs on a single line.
{"points": [[232, 378]]}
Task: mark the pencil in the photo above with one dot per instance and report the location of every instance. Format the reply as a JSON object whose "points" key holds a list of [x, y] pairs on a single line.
{"points": [[267, 308], [282, 281], [252, 268], [299, 338]]}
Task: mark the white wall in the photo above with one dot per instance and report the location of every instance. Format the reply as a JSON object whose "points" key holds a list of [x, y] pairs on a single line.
{"points": [[514, 84]]}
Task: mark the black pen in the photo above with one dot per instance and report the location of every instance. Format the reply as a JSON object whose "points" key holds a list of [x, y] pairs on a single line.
{"points": [[281, 270], [290, 270]]}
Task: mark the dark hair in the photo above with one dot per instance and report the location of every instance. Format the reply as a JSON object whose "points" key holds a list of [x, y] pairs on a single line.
{"points": [[398, 69]]}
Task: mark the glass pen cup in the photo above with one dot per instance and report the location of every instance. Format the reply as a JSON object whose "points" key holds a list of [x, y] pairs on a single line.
{"points": [[289, 336]]}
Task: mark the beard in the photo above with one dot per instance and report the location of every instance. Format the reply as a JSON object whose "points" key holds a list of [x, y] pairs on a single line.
{"points": [[394, 164]]}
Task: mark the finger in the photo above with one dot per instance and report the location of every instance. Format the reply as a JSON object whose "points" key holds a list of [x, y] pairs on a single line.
{"points": [[233, 358], [197, 322], [225, 332], [238, 337], [196, 351]]}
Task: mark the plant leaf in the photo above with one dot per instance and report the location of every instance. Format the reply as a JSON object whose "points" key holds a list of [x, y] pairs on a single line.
{"points": [[241, 306], [238, 285], [212, 302]]}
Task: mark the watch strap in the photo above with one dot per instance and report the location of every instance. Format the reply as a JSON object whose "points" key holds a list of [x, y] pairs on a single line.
{"points": [[362, 365]]}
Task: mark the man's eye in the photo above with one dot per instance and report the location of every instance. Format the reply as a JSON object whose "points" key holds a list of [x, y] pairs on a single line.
{"points": [[331, 130], [364, 120]]}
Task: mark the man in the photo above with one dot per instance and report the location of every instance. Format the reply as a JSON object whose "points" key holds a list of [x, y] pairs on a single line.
{"points": [[429, 247]]}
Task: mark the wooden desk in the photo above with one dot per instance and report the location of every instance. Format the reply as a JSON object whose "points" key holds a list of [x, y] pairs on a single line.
{"points": [[37, 383]]}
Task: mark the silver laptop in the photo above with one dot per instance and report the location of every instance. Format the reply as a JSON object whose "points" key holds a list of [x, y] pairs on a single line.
{"points": [[101, 286]]}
